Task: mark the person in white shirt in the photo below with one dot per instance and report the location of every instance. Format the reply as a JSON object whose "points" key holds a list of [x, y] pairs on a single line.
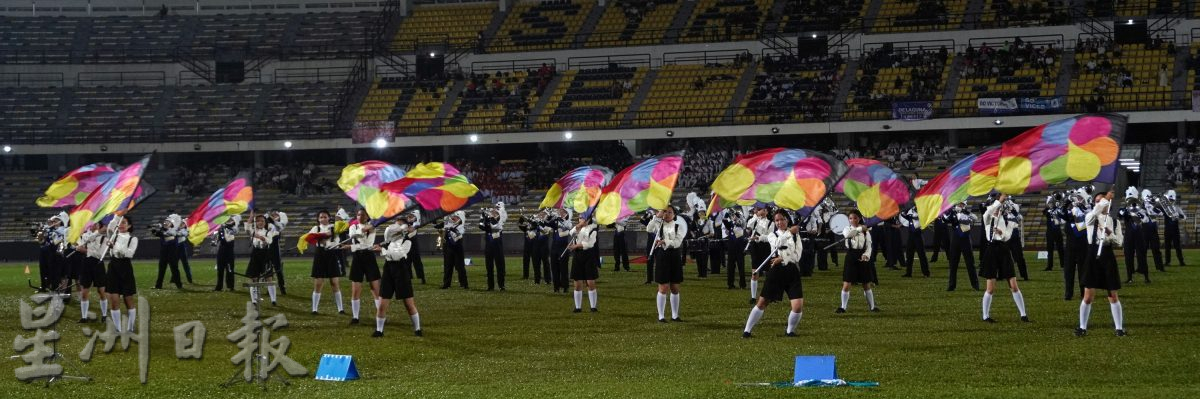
{"points": [[1101, 273], [168, 255], [363, 266], [325, 262], [259, 269], [452, 250], [586, 266], [998, 262], [121, 283], [92, 245], [670, 231], [224, 240], [759, 229], [858, 268], [397, 274], [783, 276]]}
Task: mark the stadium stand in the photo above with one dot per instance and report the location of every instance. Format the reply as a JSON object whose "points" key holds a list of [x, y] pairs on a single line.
{"points": [[591, 98], [726, 20], [455, 24], [1012, 69], [541, 25], [891, 73], [919, 16], [1122, 76], [821, 15], [790, 89], [634, 22], [689, 94]]}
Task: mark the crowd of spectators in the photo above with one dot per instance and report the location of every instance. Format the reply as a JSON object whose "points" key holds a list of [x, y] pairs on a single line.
{"points": [[785, 94], [1030, 13], [924, 77], [1008, 58], [502, 181], [703, 160], [1183, 165]]}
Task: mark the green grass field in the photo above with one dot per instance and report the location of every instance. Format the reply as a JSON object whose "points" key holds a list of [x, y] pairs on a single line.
{"points": [[526, 342]]}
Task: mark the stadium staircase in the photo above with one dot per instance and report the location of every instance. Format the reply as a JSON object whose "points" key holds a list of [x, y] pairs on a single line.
{"points": [[448, 105], [1179, 82], [845, 83], [589, 25], [950, 92], [975, 8], [83, 33], [540, 106], [493, 27], [643, 90], [740, 94], [1066, 70], [680, 22]]}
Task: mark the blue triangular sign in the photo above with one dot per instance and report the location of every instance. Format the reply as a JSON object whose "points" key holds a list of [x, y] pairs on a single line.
{"points": [[336, 368]]}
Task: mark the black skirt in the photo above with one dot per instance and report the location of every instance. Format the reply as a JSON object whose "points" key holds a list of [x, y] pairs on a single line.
{"points": [[364, 267], [783, 278], [120, 277], [397, 280], [997, 262], [586, 265], [259, 259], [1101, 270], [74, 264], [93, 273], [668, 266], [325, 264], [856, 271]]}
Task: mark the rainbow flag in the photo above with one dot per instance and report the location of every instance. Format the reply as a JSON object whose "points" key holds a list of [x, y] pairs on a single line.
{"points": [[236, 197], [789, 178], [972, 176], [435, 185], [1082, 148], [117, 195], [307, 239], [363, 182], [645, 185], [73, 187], [579, 189], [879, 192]]}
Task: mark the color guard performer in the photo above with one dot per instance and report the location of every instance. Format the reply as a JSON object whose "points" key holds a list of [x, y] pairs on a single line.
{"points": [[759, 228], [1016, 245], [92, 245], [586, 266], [858, 267], [259, 270], [325, 262], [363, 268], [397, 275], [998, 262], [670, 230], [121, 283], [1102, 272], [783, 276]]}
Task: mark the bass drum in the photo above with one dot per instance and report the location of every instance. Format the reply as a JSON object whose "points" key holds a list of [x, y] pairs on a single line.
{"points": [[838, 223]]}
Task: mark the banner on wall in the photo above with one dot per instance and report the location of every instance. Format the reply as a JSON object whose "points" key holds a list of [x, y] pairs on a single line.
{"points": [[367, 131], [912, 110], [1000, 106]]}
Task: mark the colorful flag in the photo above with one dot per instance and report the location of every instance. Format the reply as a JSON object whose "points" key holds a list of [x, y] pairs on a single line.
{"points": [[435, 185], [645, 185], [74, 187], [116, 195], [579, 189], [716, 205], [972, 176], [309, 239], [363, 182], [878, 191], [1082, 148], [236, 197], [788, 178]]}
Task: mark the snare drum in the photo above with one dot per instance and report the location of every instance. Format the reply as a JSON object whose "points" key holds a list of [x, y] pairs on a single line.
{"points": [[838, 223]]}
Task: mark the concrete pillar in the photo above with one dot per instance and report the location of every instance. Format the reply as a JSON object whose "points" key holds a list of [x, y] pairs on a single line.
{"points": [[952, 138], [405, 7], [349, 156], [634, 146]]}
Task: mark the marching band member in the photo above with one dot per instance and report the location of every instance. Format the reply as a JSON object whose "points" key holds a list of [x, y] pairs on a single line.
{"points": [[1075, 263], [670, 230], [959, 221], [783, 276], [527, 253], [50, 237], [759, 228], [1150, 238], [700, 227], [121, 282], [225, 257], [397, 274], [1172, 216], [168, 234], [363, 268], [1016, 245], [452, 250], [893, 247], [811, 229], [916, 243], [735, 238], [941, 238], [998, 261], [325, 262], [182, 248], [858, 267], [261, 235], [92, 245], [586, 266], [1135, 252], [648, 217], [414, 252], [279, 221], [620, 248], [492, 225], [715, 235], [558, 248], [1054, 236], [541, 246], [1102, 272], [341, 231]]}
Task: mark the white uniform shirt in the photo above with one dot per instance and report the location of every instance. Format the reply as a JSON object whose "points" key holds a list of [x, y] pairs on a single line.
{"points": [[786, 246], [124, 246], [858, 238], [586, 237], [671, 233], [360, 241], [330, 242], [267, 235]]}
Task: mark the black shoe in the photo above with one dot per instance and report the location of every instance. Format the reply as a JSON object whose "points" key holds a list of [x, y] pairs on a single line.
{"points": [[274, 304], [502, 289], [752, 301], [314, 313], [1120, 333], [418, 333], [906, 275], [353, 321], [1079, 332], [158, 287], [1147, 281], [1067, 298], [491, 289], [594, 310], [840, 310], [1129, 281], [791, 334], [1048, 269], [989, 320], [746, 334], [103, 319], [343, 311], [949, 289], [1025, 319], [83, 320], [218, 289], [377, 334], [230, 289], [577, 310], [875, 309], [677, 320], [282, 291], [445, 287], [731, 287]]}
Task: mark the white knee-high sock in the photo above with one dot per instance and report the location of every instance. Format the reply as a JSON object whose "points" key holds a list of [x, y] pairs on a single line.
{"points": [[755, 316], [592, 298], [987, 305], [379, 322], [674, 306], [845, 299], [377, 299], [116, 320], [1085, 312], [1118, 315], [793, 320], [103, 307], [355, 305], [870, 294], [753, 289], [132, 320], [416, 320], [271, 292], [83, 307], [1020, 301], [316, 300], [662, 304], [578, 296], [337, 299]]}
